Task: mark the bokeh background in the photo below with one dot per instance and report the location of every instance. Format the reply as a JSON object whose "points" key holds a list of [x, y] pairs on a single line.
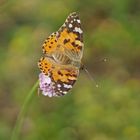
{"points": [[112, 31]]}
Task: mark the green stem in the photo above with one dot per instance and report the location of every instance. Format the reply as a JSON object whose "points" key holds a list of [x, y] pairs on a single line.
{"points": [[22, 113]]}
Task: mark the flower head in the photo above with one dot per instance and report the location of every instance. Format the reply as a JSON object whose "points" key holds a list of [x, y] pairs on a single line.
{"points": [[46, 86]]}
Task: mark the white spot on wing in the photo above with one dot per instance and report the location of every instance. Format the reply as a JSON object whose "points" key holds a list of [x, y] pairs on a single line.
{"points": [[78, 30], [67, 86], [70, 25], [64, 92], [78, 20], [58, 85]]}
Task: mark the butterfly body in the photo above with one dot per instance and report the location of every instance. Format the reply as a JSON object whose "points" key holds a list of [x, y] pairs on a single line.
{"points": [[63, 51]]}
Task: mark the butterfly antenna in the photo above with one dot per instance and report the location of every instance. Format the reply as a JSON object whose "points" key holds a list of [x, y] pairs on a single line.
{"points": [[89, 75]]}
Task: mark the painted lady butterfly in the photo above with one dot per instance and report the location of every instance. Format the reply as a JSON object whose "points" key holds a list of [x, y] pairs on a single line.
{"points": [[63, 51]]}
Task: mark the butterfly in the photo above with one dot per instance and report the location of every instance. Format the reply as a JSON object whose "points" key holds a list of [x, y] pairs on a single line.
{"points": [[63, 51]]}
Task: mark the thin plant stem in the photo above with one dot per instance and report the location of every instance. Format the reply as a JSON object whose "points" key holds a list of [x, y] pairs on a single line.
{"points": [[19, 122]]}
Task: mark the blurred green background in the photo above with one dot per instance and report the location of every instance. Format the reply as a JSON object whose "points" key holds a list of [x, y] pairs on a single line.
{"points": [[112, 31]]}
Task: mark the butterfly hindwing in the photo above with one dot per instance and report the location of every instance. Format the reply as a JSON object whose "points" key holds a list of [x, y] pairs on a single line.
{"points": [[62, 78]]}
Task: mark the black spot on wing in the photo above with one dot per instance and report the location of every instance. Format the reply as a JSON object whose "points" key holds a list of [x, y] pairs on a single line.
{"points": [[66, 41]]}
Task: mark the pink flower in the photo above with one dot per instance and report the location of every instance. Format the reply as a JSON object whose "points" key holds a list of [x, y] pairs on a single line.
{"points": [[46, 86]]}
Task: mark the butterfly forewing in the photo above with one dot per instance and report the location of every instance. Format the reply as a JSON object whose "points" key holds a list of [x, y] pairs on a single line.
{"points": [[70, 35]]}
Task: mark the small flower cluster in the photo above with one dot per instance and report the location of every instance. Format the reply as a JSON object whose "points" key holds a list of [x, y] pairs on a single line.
{"points": [[45, 84]]}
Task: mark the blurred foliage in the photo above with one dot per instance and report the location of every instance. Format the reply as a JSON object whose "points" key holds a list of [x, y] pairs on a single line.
{"points": [[111, 30]]}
